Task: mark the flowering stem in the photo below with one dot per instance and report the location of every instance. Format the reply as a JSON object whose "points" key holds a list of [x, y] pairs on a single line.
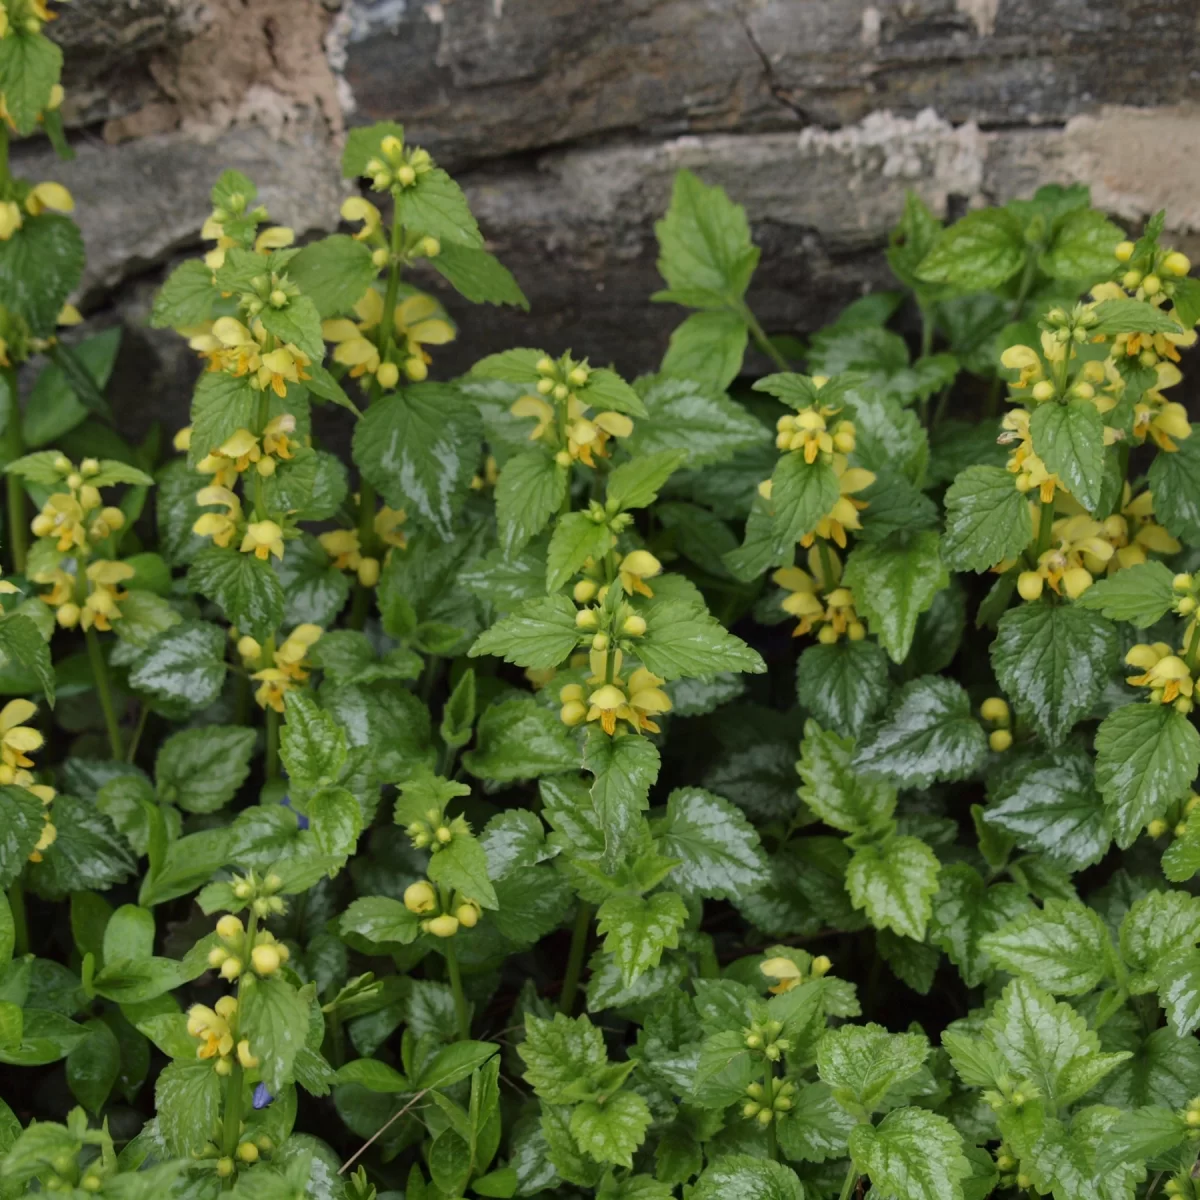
{"points": [[1045, 525], [13, 449], [830, 580], [231, 1126], [761, 340], [16, 905], [579, 940], [1193, 654], [460, 999], [272, 744], [769, 1101], [139, 729], [850, 1180], [100, 675]]}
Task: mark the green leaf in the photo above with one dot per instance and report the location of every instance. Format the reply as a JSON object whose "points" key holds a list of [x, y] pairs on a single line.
{"points": [[1157, 926], [637, 929], [380, 919], [186, 663], [1053, 660], [521, 739], [981, 251], [894, 582], [817, 1128], [435, 206], [200, 770], [41, 263], [245, 587], [862, 1063], [336, 819], [928, 734], [684, 640], [832, 788], [705, 252], [1175, 483], [1064, 947], [187, 1097], [559, 1053], [707, 349], [1141, 594], [1069, 438], [63, 394], [575, 539], [912, 238], [479, 276], [717, 848], [373, 1075], [297, 323], [845, 685], [363, 144], [311, 743], [624, 768], [540, 634], [1082, 247], [186, 298], [1051, 806], [987, 520], [912, 1153], [420, 449], [30, 65], [462, 865], [529, 492], [93, 1066], [1146, 758], [334, 273], [965, 910], [454, 1063], [221, 405], [274, 1016], [801, 494], [612, 1131], [1130, 316], [22, 644], [636, 483], [1145, 1133], [744, 1177], [894, 886], [88, 852], [1048, 1042]]}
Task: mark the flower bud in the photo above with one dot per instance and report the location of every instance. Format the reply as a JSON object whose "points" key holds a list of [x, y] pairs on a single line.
{"points": [[1152, 285], [224, 1167], [1000, 740], [388, 375], [634, 625], [600, 641], [444, 926], [406, 176], [265, 466], [584, 591], [1124, 251], [265, 958], [368, 572], [1157, 827], [416, 369], [586, 618], [573, 712], [230, 927], [578, 376], [1176, 264], [67, 615], [420, 898], [231, 968], [216, 956], [821, 966], [467, 915], [1030, 584], [430, 247], [248, 1152], [1131, 279], [995, 709], [379, 258]]}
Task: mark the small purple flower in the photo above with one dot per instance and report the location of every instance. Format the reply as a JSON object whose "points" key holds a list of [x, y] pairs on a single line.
{"points": [[261, 1096], [301, 819]]}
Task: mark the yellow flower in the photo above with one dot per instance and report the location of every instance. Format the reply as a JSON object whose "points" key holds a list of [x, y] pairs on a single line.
{"points": [[18, 740], [1022, 461], [61, 518], [48, 195], [221, 527], [635, 568], [352, 350], [274, 237], [211, 1027], [786, 974], [277, 436], [844, 514], [647, 699], [241, 448], [807, 431], [10, 219], [237, 350], [605, 706], [342, 546], [1079, 540], [273, 685], [1166, 424], [280, 367], [291, 655], [1164, 672], [262, 538], [387, 526], [356, 208], [419, 323]]}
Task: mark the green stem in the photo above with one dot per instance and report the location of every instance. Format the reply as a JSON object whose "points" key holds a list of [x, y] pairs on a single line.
{"points": [[16, 905], [849, 1182], [14, 447], [769, 1102], [143, 717], [388, 333], [272, 744], [446, 766], [1193, 654], [100, 675], [827, 567], [360, 606], [1045, 526], [926, 331], [760, 337], [579, 941], [231, 1126], [1027, 278], [460, 998]]}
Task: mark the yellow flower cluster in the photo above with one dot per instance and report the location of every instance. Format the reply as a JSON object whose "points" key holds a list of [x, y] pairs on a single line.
{"points": [[817, 602], [1164, 672], [787, 974], [41, 196], [367, 349], [17, 742], [610, 700], [288, 668], [76, 519], [214, 1028], [995, 712], [396, 166], [461, 912], [225, 224], [809, 431], [565, 421], [228, 345], [264, 953], [345, 548]]}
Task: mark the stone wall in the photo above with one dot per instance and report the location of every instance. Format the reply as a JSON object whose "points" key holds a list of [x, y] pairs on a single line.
{"points": [[565, 120]]}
